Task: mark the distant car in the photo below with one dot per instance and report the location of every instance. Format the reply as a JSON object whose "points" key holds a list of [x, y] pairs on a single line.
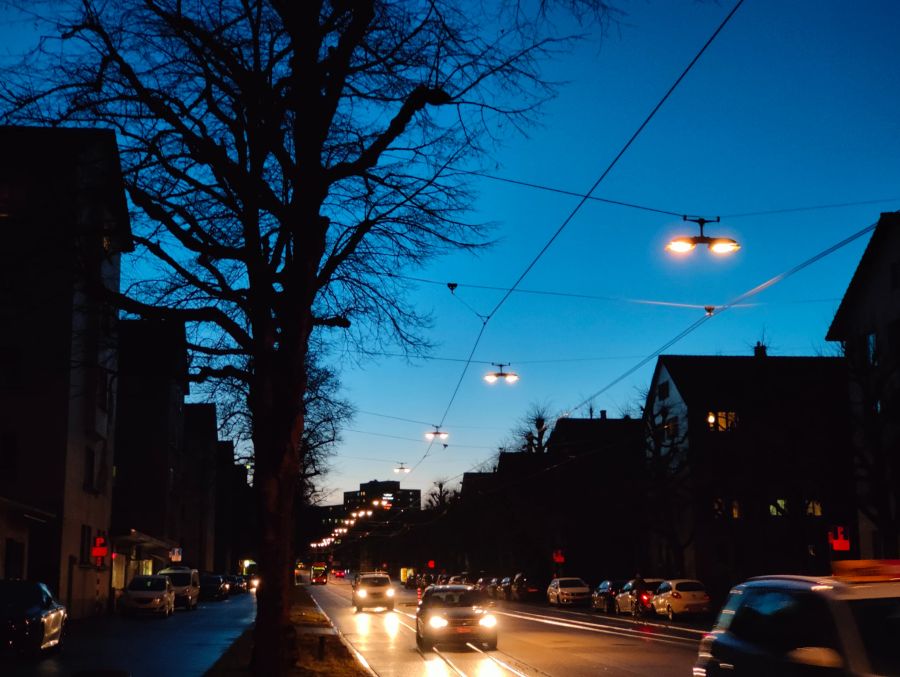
{"points": [[680, 596], [253, 582], [525, 588], [213, 586], [628, 601], [569, 591], [804, 625], [483, 583], [493, 586], [339, 573], [186, 583], [603, 598], [456, 580], [318, 575], [31, 619], [455, 614], [153, 595], [373, 590]]}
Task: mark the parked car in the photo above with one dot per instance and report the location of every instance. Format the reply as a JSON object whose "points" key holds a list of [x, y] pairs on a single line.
{"points": [[680, 596], [213, 586], [568, 590], [483, 583], [153, 595], [525, 588], [627, 601], [805, 626], [186, 583], [31, 619], [236, 584], [604, 596], [373, 590], [493, 586], [455, 614], [504, 588]]}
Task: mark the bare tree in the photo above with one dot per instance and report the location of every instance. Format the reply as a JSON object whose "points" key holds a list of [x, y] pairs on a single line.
{"points": [[440, 496], [283, 161], [530, 434]]}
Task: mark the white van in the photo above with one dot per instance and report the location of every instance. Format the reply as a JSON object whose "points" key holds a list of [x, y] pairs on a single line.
{"points": [[186, 582]]}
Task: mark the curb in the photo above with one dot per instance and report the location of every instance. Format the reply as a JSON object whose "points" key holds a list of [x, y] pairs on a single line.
{"points": [[346, 642]]}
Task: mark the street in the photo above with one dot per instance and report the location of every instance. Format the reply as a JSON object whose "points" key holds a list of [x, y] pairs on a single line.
{"points": [[186, 644], [534, 639]]}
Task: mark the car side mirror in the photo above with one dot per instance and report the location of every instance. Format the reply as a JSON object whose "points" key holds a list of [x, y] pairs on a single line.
{"points": [[816, 656]]}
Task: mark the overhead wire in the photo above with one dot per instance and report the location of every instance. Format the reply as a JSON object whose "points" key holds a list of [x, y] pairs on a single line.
{"points": [[568, 219]]}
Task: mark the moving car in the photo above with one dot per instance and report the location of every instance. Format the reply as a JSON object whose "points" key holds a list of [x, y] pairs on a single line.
{"points": [[455, 614], [627, 601], [186, 583], [568, 590], [680, 596], [604, 596], [152, 595], [31, 619], [213, 586], [373, 590], [803, 625]]}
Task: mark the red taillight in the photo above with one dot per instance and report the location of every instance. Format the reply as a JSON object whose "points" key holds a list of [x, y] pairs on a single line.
{"points": [[645, 596], [676, 594]]}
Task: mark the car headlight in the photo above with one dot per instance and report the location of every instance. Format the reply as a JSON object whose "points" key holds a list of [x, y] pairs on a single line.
{"points": [[488, 621], [360, 593], [390, 592], [437, 622]]}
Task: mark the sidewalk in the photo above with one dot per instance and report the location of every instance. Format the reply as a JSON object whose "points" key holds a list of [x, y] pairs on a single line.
{"points": [[321, 651]]}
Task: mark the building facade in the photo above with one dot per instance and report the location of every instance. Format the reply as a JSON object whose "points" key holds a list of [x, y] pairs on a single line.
{"points": [[65, 223]]}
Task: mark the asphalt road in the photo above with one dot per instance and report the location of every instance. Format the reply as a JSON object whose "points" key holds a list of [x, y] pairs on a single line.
{"points": [[185, 644], [534, 641]]}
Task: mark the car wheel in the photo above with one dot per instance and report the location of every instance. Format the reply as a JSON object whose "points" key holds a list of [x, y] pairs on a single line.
{"points": [[618, 608], [358, 608], [491, 645], [669, 613], [607, 607]]}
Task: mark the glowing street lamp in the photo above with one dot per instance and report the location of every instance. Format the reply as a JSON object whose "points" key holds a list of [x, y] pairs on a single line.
{"points": [[436, 434], [717, 245], [402, 468], [494, 376]]}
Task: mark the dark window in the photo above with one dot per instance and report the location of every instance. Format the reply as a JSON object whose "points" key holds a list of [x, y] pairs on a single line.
{"points": [[895, 275], [662, 391], [9, 456], [85, 554], [89, 470]]}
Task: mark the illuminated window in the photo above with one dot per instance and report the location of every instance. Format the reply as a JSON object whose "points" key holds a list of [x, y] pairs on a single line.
{"points": [[735, 509], [778, 508], [814, 508], [721, 421]]}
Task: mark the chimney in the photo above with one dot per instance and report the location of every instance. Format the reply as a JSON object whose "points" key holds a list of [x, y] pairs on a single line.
{"points": [[759, 350], [603, 414]]}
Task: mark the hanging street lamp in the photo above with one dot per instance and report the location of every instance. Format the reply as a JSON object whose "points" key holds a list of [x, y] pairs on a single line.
{"points": [[717, 245], [494, 376]]}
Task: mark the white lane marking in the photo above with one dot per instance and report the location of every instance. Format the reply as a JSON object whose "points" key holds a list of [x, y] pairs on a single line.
{"points": [[497, 660], [604, 630], [651, 624]]}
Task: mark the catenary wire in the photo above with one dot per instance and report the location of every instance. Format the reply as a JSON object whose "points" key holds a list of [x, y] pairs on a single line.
{"points": [[578, 207]]}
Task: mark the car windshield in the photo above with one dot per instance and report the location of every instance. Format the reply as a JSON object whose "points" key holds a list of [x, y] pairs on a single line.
{"points": [[375, 581], [690, 586], [878, 621], [448, 598], [144, 583], [572, 583], [18, 594], [180, 578]]}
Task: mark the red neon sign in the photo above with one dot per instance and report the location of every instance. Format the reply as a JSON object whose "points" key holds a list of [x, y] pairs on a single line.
{"points": [[837, 540]]}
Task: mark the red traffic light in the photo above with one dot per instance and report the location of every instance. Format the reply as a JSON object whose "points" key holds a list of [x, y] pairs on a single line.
{"points": [[431, 564]]}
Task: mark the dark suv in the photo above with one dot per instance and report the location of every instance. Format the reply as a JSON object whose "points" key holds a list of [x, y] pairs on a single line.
{"points": [[526, 588]]}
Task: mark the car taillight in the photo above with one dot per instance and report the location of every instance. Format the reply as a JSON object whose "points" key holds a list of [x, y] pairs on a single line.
{"points": [[676, 594], [645, 596]]}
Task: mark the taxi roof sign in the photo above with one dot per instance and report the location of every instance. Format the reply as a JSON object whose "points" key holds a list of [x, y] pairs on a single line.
{"points": [[866, 570]]}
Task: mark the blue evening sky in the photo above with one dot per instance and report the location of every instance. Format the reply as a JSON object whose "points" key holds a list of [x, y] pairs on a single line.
{"points": [[796, 104]]}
